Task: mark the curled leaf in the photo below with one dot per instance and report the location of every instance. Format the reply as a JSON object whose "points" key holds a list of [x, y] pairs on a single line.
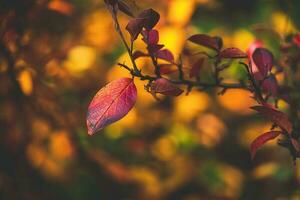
{"points": [[276, 116], [232, 53], [110, 104], [194, 72], [263, 59], [151, 18], [134, 27], [207, 41], [164, 86], [261, 140], [165, 54]]}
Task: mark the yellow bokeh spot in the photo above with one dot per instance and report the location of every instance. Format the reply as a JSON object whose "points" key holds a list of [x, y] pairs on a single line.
{"points": [[173, 38], [211, 129], [180, 11], [80, 58], [187, 107], [115, 130], [147, 178], [282, 23], [164, 149], [265, 170], [237, 100], [25, 81], [242, 39], [60, 145], [97, 25], [233, 179]]}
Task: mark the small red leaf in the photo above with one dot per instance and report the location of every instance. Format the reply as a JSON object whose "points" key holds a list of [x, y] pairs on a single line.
{"points": [[110, 104], [134, 27], [276, 116], [151, 18], [295, 144], [150, 37], [261, 140], [263, 59], [206, 40], [270, 85], [297, 39], [137, 54], [194, 72], [165, 54], [153, 48], [164, 86], [167, 69], [232, 53]]}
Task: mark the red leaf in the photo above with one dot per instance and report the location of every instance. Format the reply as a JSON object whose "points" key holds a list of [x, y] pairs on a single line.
{"points": [[276, 116], [270, 85], [295, 144], [165, 54], [110, 104], [164, 86], [150, 37], [263, 59], [194, 72], [137, 54], [253, 46], [297, 39], [167, 69], [232, 53], [151, 18], [134, 27], [153, 48], [261, 140], [206, 40]]}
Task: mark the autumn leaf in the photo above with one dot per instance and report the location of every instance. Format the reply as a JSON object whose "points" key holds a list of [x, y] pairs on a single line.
{"points": [[110, 104], [207, 41], [151, 18], [150, 37], [134, 27], [137, 54], [261, 140], [232, 53], [164, 86], [165, 54], [276, 116], [263, 59]]}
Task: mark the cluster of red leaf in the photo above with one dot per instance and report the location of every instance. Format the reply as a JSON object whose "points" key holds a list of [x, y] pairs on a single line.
{"points": [[115, 100]]}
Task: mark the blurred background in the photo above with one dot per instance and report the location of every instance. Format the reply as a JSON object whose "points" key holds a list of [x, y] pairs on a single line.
{"points": [[56, 54]]}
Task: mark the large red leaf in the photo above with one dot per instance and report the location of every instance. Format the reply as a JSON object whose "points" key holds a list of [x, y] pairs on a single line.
{"points": [[110, 104], [206, 40], [270, 85], [263, 59], [164, 86], [276, 116], [232, 53], [261, 140]]}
